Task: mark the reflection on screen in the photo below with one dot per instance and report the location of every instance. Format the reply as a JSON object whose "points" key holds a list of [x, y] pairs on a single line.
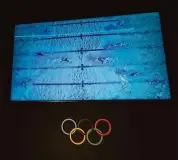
{"points": [[107, 58]]}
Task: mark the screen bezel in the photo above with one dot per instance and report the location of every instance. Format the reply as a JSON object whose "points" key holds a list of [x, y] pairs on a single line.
{"points": [[166, 41]]}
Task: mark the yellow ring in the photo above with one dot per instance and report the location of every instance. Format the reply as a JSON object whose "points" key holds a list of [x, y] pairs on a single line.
{"points": [[72, 131]]}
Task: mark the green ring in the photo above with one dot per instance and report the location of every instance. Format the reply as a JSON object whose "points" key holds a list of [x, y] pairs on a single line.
{"points": [[94, 144]]}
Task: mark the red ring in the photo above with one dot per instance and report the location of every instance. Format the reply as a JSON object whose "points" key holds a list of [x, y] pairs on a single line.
{"points": [[110, 128]]}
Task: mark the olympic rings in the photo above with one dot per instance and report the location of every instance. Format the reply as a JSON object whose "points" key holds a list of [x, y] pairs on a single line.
{"points": [[86, 136], [77, 143]]}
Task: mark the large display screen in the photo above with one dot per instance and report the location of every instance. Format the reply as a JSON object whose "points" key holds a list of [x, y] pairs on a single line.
{"points": [[106, 58]]}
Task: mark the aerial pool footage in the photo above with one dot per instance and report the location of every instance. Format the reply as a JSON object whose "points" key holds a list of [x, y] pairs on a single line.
{"points": [[107, 58]]}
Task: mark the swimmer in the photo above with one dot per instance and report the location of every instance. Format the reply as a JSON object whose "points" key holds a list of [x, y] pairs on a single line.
{"points": [[120, 23], [61, 60], [103, 59], [39, 54], [65, 59], [46, 30], [135, 74], [21, 40], [155, 81], [25, 82], [121, 44]]}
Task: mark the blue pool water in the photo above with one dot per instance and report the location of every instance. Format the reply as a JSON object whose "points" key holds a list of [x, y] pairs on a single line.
{"points": [[107, 58]]}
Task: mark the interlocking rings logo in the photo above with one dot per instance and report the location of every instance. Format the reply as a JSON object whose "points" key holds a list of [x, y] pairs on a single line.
{"points": [[86, 135]]}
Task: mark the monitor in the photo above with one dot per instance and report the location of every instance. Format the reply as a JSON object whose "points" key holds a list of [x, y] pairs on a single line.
{"points": [[103, 58]]}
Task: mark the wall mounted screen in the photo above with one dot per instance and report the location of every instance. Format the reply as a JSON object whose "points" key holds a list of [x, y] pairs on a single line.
{"points": [[107, 58]]}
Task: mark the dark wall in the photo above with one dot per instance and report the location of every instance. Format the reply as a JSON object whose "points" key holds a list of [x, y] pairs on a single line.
{"points": [[142, 129]]}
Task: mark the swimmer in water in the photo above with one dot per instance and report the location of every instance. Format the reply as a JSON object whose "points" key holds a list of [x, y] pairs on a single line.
{"points": [[39, 54], [46, 30], [61, 60], [21, 40], [121, 44], [103, 59], [24, 83], [120, 23], [135, 74], [65, 59]]}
